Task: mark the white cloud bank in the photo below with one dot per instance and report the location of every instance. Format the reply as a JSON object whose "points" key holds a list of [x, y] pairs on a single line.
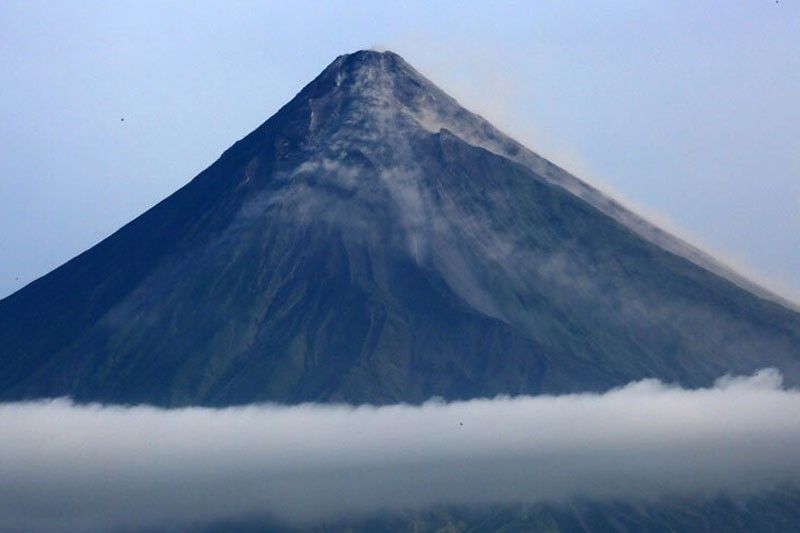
{"points": [[65, 466]]}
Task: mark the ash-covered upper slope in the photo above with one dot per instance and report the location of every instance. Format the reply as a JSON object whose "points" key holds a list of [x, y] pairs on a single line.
{"points": [[375, 242]]}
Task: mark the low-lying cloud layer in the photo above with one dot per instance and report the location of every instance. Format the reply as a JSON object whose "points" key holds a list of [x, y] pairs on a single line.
{"points": [[66, 466]]}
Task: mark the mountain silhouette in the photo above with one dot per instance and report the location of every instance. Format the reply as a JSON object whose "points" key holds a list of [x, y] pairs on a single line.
{"points": [[375, 242]]}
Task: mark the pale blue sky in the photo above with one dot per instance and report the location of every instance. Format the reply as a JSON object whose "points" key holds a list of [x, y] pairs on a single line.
{"points": [[689, 110]]}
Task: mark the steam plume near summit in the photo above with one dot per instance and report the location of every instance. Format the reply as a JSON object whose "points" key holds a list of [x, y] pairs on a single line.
{"points": [[70, 467]]}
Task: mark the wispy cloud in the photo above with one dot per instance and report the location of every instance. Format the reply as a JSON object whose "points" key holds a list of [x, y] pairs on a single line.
{"points": [[65, 466]]}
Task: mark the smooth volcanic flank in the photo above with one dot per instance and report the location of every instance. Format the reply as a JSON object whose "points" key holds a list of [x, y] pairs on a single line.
{"points": [[374, 242]]}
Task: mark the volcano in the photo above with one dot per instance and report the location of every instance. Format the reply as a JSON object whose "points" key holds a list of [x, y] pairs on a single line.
{"points": [[375, 242]]}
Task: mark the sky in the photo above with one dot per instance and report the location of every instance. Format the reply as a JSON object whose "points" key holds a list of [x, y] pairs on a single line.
{"points": [[688, 112], [70, 467]]}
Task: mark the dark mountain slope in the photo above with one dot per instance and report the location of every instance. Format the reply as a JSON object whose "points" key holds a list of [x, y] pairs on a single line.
{"points": [[374, 242], [774, 512]]}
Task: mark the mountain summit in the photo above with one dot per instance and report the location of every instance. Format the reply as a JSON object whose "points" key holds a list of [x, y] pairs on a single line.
{"points": [[375, 242]]}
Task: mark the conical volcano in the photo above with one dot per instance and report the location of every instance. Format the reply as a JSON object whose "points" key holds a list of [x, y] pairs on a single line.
{"points": [[375, 242]]}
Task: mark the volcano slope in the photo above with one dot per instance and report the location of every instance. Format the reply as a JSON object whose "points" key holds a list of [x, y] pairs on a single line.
{"points": [[374, 242]]}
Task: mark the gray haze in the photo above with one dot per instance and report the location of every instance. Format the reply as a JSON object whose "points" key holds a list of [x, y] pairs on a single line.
{"points": [[71, 467]]}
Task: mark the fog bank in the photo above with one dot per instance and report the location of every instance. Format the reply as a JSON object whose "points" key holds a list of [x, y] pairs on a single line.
{"points": [[70, 467]]}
